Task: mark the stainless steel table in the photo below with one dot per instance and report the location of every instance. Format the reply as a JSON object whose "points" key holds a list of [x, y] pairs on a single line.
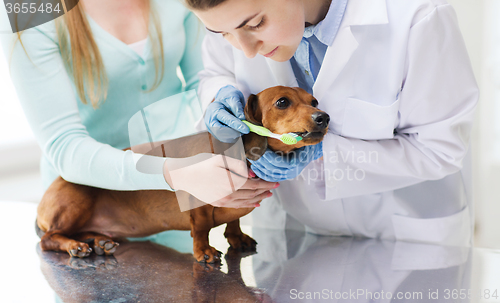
{"points": [[289, 266]]}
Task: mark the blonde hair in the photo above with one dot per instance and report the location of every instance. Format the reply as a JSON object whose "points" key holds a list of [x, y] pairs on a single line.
{"points": [[83, 60]]}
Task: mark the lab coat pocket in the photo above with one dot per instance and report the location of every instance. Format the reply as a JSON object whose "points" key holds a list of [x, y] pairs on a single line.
{"points": [[368, 121], [454, 230]]}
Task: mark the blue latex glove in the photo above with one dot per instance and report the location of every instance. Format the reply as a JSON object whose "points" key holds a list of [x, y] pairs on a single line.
{"points": [[223, 116], [273, 167]]}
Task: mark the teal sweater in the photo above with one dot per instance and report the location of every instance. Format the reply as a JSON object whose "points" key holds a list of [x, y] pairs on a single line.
{"points": [[84, 145]]}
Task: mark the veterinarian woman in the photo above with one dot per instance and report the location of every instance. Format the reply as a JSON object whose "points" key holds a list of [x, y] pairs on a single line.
{"points": [[82, 77], [395, 78]]}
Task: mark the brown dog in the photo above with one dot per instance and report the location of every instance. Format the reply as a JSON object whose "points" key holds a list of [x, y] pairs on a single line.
{"points": [[72, 216]]}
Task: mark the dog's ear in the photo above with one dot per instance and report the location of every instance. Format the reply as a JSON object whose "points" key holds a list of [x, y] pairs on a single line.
{"points": [[255, 146], [253, 112]]}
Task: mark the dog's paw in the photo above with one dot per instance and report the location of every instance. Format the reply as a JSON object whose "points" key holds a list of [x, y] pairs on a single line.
{"points": [[97, 262], [241, 242], [208, 255], [79, 249], [202, 268], [105, 263], [79, 263], [103, 245]]}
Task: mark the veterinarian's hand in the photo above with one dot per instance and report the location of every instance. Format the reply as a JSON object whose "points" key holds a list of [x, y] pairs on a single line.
{"points": [[223, 116], [205, 176], [273, 167]]}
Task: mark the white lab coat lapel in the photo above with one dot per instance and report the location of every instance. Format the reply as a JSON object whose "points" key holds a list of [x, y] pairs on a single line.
{"points": [[358, 12]]}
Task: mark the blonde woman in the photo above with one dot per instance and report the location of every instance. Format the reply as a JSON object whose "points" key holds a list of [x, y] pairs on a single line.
{"points": [[82, 77]]}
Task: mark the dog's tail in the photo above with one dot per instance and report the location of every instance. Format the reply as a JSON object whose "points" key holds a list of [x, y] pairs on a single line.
{"points": [[39, 232]]}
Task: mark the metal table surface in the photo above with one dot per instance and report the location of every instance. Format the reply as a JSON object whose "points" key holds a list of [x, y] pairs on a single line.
{"points": [[289, 266]]}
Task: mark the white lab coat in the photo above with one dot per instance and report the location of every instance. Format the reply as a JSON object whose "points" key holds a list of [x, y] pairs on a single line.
{"points": [[400, 91]]}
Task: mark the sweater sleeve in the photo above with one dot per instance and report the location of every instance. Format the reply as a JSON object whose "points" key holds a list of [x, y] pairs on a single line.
{"points": [[49, 102]]}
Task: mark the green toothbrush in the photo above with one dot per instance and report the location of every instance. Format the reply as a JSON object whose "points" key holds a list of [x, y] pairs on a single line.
{"points": [[288, 139]]}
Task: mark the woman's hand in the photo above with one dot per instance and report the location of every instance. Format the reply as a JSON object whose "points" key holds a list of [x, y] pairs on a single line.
{"points": [[223, 116], [205, 177]]}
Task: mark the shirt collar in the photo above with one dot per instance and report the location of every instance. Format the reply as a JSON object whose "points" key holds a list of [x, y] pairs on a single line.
{"points": [[327, 29]]}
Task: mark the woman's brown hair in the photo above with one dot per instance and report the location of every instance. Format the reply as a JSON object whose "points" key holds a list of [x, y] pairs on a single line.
{"points": [[203, 4]]}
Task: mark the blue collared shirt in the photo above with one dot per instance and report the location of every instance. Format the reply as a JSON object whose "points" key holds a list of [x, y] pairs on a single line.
{"points": [[307, 60]]}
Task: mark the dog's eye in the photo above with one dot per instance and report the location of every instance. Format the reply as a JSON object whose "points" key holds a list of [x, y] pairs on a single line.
{"points": [[282, 103], [314, 103]]}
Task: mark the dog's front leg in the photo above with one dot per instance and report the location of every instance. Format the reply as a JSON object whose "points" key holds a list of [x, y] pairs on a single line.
{"points": [[202, 220], [237, 239]]}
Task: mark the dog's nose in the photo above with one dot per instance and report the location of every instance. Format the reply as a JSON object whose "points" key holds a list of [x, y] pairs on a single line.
{"points": [[321, 118]]}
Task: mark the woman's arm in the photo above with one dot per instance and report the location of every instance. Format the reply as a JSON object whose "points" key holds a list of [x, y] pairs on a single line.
{"points": [[436, 110], [48, 98]]}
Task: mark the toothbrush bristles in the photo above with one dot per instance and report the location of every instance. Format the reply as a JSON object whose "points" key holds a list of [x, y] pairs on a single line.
{"points": [[288, 139]]}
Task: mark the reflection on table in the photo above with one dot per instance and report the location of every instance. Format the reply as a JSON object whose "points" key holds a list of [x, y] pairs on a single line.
{"points": [[303, 267], [289, 266], [144, 272]]}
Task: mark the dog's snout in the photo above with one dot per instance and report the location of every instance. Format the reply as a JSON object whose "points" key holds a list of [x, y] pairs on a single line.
{"points": [[321, 118]]}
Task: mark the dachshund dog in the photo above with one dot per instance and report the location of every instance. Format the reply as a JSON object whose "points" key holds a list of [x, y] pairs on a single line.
{"points": [[74, 218]]}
